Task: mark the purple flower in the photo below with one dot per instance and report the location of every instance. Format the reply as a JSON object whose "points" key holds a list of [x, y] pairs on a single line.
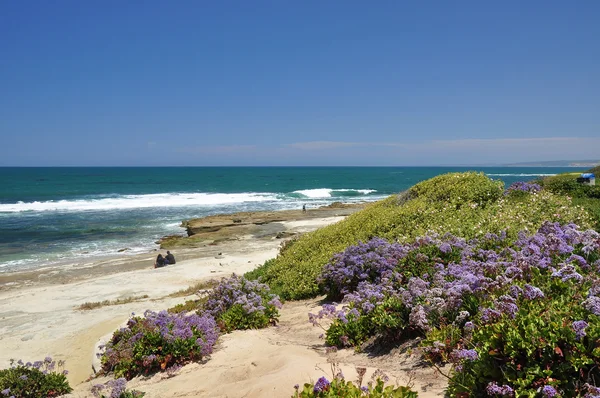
{"points": [[579, 327], [5, 392], [532, 292], [506, 305], [549, 391], [592, 391], [321, 385], [494, 389], [523, 186], [568, 272], [445, 248], [467, 355], [592, 304]]}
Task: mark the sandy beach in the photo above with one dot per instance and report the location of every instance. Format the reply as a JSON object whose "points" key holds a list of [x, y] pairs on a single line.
{"points": [[40, 317]]}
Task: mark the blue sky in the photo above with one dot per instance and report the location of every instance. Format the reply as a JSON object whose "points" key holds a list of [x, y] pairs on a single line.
{"points": [[209, 83]]}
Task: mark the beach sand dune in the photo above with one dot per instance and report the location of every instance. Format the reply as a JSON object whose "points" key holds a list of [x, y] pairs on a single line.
{"points": [[41, 318], [269, 362]]}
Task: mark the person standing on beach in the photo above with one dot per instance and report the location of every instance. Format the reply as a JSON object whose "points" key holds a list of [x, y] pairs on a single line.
{"points": [[169, 258], [303, 207]]}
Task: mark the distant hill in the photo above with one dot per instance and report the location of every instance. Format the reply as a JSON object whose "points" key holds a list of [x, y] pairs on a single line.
{"points": [[557, 163]]}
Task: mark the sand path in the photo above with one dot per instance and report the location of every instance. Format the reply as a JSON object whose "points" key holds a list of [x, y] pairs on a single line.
{"points": [[43, 320]]}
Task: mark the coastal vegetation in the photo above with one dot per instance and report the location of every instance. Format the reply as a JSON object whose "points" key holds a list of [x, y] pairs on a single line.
{"points": [[239, 304], [157, 342], [116, 388], [339, 387], [45, 378], [586, 196], [467, 205], [98, 304], [498, 287]]}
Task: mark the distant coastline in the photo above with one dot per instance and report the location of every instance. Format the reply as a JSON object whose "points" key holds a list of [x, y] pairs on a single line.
{"points": [[557, 163]]}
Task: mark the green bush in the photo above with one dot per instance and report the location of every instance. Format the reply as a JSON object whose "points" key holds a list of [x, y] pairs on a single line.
{"points": [[538, 347], [514, 315], [237, 303], [464, 204], [157, 342], [188, 306], [340, 388], [567, 184], [40, 379], [586, 196], [115, 389], [592, 206], [459, 189]]}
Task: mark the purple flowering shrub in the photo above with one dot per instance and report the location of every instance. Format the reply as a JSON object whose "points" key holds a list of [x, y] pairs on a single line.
{"points": [[379, 262], [239, 304], [157, 342], [339, 387], [510, 314], [32, 380], [117, 388], [523, 186]]}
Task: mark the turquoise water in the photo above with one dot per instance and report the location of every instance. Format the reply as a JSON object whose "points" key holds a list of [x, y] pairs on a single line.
{"points": [[48, 215]]}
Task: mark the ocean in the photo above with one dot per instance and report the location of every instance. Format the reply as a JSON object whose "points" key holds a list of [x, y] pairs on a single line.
{"points": [[51, 215]]}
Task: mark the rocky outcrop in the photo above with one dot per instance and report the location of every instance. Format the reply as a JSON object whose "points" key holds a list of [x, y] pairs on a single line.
{"points": [[220, 221]]}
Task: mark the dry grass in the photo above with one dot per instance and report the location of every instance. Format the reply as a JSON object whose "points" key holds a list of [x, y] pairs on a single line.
{"points": [[97, 304], [195, 288]]}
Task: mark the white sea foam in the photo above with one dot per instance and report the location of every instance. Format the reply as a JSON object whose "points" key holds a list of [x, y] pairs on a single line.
{"points": [[139, 202], [329, 192], [361, 191], [522, 175]]}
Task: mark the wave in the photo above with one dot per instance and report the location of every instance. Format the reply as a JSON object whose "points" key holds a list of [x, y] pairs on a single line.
{"points": [[329, 192], [522, 175], [180, 200], [139, 202]]}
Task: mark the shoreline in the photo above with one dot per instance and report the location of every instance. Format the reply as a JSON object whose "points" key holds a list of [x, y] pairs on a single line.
{"points": [[257, 226], [40, 315]]}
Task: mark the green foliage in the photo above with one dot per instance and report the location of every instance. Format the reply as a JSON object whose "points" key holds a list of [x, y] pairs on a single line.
{"points": [[538, 347], [567, 184], [592, 206], [157, 342], [467, 205], [237, 318], [238, 304], [595, 170], [339, 388], [586, 196], [188, 306], [439, 343], [458, 189], [351, 333], [115, 389], [34, 380]]}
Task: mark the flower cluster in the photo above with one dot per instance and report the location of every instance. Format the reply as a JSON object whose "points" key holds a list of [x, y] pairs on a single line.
{"points": [[339, 387], [523, 186], [158, 341], [117, 388], [237, 303], [459, 294], [38, 379], [370, 262]]}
